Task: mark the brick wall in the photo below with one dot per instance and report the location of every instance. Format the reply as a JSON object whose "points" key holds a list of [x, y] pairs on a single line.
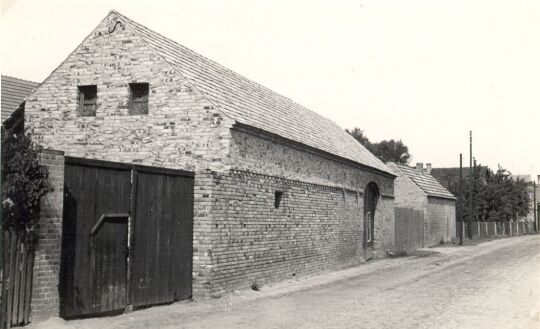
{"points": [[257, 153], [45, 299], [241, 238], [440, 223]]}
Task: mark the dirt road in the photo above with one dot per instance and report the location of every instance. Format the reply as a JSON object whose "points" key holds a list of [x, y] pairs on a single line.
{"points": [[493, 285]]}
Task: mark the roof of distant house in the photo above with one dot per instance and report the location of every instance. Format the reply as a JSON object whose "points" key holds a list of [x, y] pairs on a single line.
{"points": [[14, 91], [251, 104], [425, 182], [450, 176], [525, 178]]}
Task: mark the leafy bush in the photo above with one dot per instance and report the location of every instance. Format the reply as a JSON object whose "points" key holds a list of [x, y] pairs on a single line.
{"points": [[24, 182]]}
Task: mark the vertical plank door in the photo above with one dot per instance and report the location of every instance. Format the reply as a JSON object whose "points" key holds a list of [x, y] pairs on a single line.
{"points": [[163, 234], [94, 266]]}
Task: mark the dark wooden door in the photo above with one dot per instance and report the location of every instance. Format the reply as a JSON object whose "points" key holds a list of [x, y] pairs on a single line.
{"points": [[371, 195], [163, 235], [94, 258]]}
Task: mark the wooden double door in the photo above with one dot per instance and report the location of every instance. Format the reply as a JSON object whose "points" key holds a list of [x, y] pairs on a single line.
{"points": [[127, 237]]}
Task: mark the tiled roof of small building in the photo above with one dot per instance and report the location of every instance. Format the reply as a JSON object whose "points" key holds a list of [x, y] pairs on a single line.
{"points": [[249, 103], [14, 91], [425, 182]]}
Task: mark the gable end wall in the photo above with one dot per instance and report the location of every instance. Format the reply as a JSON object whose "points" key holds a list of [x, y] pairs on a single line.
{"points": [[181, 131]]}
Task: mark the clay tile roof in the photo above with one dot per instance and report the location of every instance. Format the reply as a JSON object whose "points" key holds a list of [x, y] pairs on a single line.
{"points": [[14, 91], [251, 104], [426, 182]]}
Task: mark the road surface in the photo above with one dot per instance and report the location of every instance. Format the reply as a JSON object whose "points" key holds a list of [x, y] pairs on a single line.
{"points": [[495, 284]]}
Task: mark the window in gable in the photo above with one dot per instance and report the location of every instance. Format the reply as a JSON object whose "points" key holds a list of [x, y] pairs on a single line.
{"points": [[87, 100], [138, 98]]}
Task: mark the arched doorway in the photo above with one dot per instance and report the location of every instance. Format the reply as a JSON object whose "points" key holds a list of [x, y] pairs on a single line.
{"points": [[371, 196]]}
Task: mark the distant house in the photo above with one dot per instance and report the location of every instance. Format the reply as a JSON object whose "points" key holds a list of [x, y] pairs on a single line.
{"points": [[449, 177], [416, 188], [14, 91]]}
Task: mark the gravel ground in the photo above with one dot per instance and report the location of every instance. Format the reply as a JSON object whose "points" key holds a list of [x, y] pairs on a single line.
{"points": [[495, 284]]}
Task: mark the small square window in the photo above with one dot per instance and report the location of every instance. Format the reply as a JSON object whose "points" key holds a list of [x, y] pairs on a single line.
{"points": [[87, 100], [277, 199], [138, 98]]}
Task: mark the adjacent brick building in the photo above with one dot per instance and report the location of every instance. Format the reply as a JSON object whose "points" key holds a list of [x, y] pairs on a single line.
{"points": [[278, 189], [415, 188]]}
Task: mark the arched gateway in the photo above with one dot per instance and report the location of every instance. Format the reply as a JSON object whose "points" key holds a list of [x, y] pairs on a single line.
{"points": [[371, 196]]}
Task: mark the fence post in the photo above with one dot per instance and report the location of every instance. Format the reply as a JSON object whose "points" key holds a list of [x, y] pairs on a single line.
{"points": [[6, 261]]}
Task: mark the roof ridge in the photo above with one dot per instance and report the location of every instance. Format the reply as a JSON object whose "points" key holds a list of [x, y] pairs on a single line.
{"points": [[432, 186], [130, 21], [249, 102]]}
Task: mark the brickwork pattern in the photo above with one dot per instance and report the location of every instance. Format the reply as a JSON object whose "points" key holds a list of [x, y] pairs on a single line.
{"points": [[254, 153], [45, 298], [241, 238]]}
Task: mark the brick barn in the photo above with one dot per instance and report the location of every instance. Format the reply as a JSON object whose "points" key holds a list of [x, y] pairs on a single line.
{"points": [[416, 188], [266, 189]]}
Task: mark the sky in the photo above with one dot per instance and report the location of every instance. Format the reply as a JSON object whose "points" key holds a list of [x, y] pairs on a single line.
{"points": [[426, 72]]}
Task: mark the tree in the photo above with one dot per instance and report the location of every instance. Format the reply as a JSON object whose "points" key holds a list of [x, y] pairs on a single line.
{"points": [[358, 134], [24, 182], [386, 150], [392, 150], [498, 198]]}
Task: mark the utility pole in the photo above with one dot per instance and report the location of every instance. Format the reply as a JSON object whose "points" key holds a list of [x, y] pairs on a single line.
{"points": [[470, 183], [535, 208], [472, 188], [460, 199]]}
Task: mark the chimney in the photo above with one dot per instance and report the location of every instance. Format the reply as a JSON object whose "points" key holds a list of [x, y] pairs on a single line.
{"points": [[428, 168], [419, 166]]}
